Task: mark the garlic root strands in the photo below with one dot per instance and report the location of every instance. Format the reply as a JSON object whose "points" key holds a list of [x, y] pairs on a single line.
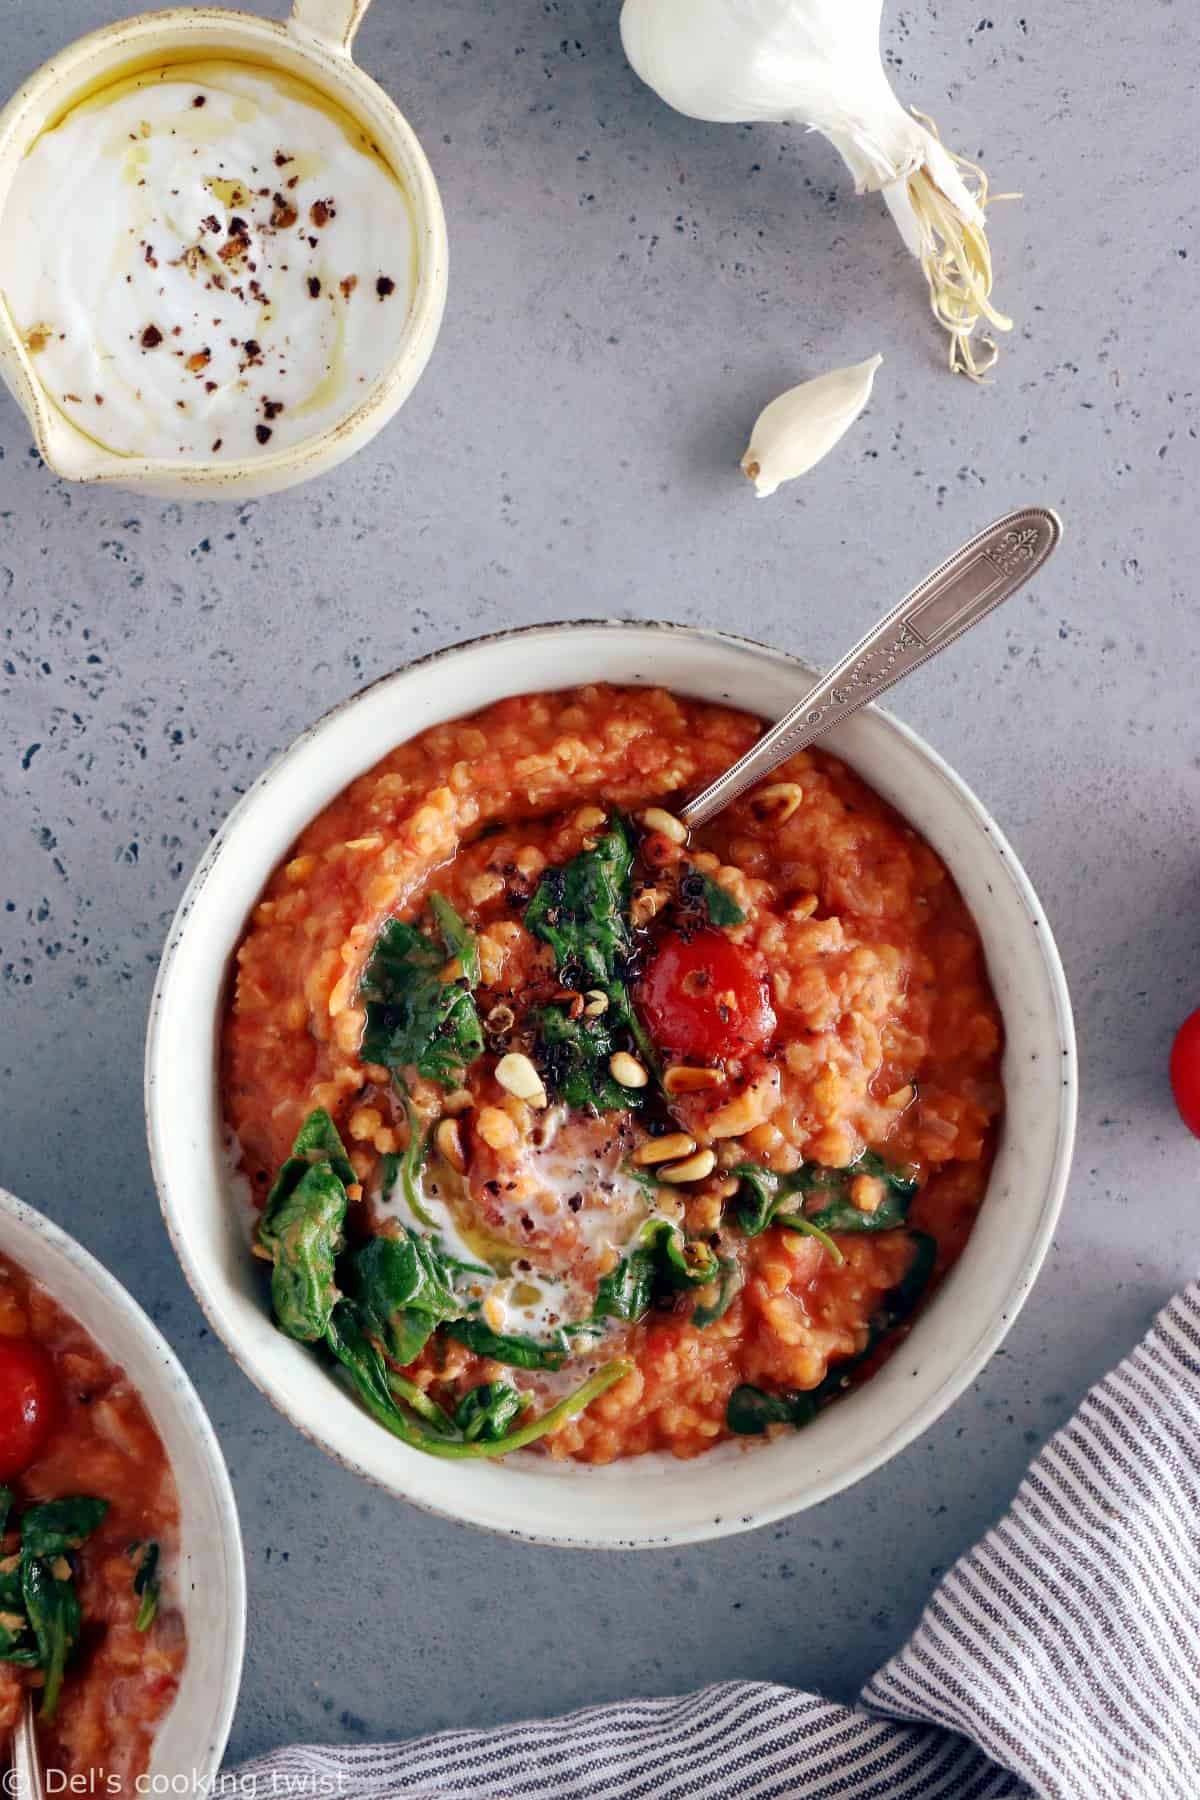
{"points": [[817, 62]]}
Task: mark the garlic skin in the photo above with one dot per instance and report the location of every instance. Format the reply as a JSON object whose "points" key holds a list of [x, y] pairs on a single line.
{"points": [[817, 63], [797, 429]]}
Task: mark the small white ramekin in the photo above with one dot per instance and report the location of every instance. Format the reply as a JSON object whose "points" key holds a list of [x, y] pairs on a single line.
{"points": [[656, 1499], [210, 1585], [314, 46]]}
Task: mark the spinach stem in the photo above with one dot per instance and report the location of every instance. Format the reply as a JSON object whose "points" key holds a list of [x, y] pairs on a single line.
{"points": [[564, 1409], [797, 1222]]}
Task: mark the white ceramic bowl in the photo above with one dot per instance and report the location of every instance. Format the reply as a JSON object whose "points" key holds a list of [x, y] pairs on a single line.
{"points": [[211, 1584], [650, 1499]]}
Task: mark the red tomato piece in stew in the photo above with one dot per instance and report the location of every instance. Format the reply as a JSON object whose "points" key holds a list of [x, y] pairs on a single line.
{"points": [[706, 997], [29, 1404]]}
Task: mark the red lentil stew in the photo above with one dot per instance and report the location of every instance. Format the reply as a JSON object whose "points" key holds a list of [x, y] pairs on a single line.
{"points": [[88, 1528], [568, 1127]]}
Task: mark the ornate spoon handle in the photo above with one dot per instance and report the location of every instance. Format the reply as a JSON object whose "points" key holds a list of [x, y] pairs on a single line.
{"points": [[967, 586], [26, 1762]]}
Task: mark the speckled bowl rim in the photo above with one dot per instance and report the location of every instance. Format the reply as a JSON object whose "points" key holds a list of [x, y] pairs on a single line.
{"points": [[992, 1329], [172, 1393]]}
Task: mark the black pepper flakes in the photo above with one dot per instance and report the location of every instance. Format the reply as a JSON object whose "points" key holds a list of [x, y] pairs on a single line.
{"points": [[199, 100], [263, 433], [152, 337], [217, 442], [314, 286], [385, 286]]}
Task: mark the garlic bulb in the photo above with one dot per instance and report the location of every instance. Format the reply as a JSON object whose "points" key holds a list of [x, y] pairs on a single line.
{"points": [[817, 62], [800, 427]]}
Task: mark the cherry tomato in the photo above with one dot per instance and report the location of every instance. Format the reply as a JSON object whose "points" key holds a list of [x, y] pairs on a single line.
{"points": [[705, 997], [1185, 1071], [29, 1403]]}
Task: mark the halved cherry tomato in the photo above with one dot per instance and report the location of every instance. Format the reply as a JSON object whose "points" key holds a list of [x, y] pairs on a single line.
{"points": [[1185, 1071], [706, 997], [29, 1403]]}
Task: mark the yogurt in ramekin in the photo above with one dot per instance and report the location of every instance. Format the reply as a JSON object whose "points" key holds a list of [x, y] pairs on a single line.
{"points": [[222, 251], [207, 259]]}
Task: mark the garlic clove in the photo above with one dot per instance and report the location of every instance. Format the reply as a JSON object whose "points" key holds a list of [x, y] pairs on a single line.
{"points": [[796, 430]]}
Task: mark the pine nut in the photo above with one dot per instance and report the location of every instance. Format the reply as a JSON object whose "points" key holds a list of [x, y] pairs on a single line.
{"points": [[901, 1097], [646, 903], [517, 1075], [656, 819], [693, 1168], [663, 1149], [627, 1070], [595, 1003], [776, 804], [590, 818], [449, 1144], [460, 1100], [684, 1080]]}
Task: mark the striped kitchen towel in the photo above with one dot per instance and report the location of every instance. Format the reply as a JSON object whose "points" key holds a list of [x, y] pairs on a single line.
{"points": [[1060, 1657]]}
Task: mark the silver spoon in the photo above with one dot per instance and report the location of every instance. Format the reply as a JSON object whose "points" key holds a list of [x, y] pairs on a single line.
{"points": [[964, 589], [26, 1758]]}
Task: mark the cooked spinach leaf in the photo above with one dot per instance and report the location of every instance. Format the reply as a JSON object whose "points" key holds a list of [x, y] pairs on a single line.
{"points": [[146, 1582], [626, 1291], [316, 1142], [699, 893], [767, 1198], [53, 1527], [369, 1375], [305, 1241], [751, 1410], [582, 911], [52, 1606], [415, 1018], [39, 1608], [487, 1412], [573, 1055], [728, 1282], [662, 1258], [517, 1352], [457, 936], [406, 1168], [405, 1290], [302, 1226], [828, 1203]]}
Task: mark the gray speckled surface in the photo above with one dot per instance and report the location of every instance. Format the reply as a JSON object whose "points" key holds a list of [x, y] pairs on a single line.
{"points": [[627, 288]]}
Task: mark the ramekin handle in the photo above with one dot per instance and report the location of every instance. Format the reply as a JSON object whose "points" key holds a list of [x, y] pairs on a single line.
{"points": [[331, 22]]}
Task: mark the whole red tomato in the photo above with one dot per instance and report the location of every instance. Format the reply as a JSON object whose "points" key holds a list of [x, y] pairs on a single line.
{"points": [[704, 997], [1185, 1071], [29, 1404]]}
